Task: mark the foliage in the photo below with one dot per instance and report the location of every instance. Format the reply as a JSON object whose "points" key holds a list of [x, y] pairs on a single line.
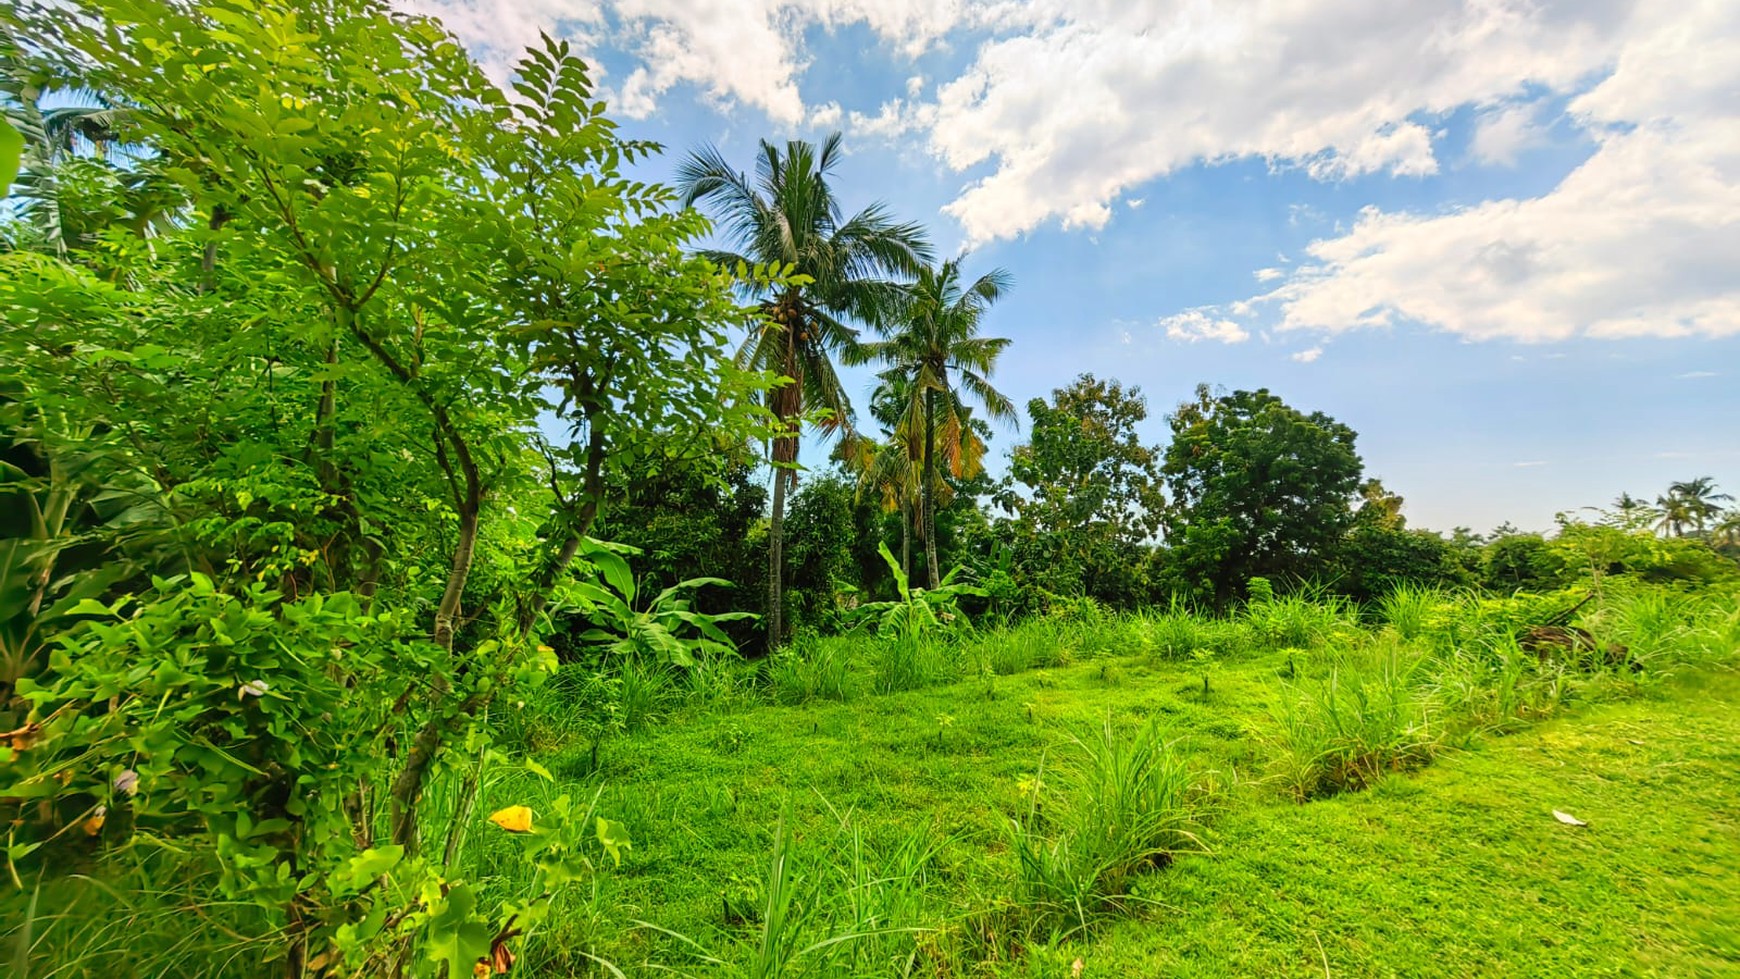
{"points": [[1367, 719], [918, 612], [933, 354], [1257, 488], [311, 404], [789, 218], [693, 522], [1522, 561], [1127, 803], [821, 531], [668, 630], [1373, 560], [1085, 493]]}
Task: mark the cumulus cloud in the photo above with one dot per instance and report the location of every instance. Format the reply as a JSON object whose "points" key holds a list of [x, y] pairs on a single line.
{"points": [[1086, 99], [1066, 107], [1504, 132], [1307, 356], [735, 51], [1639, 240], [1193, 325]]}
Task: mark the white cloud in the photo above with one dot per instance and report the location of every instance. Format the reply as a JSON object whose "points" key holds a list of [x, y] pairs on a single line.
{"points": [[1269, 274], [1532, 463], [735, 51], [1067, 105], [1135, 203], [1193, 325], [1078, 101], [1640, 240], [1503, 132], [1694, 375], [826, 116], [1306, 356]]}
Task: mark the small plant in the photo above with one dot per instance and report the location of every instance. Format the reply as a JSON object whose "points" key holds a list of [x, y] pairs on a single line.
{"points": [[1408, 609], [667, 630], [918, 611], [1352, 729], [1128, 804]]}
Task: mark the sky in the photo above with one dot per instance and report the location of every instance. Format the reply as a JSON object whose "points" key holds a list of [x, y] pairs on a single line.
{"points": [[1498, 238]]}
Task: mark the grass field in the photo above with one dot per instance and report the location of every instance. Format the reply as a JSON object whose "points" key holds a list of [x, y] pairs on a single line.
{"points": [[1299, 790], [944, 830]]}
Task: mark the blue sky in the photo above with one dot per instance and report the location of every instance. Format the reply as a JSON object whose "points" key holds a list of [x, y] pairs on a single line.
{"points": [[1500, 239]]}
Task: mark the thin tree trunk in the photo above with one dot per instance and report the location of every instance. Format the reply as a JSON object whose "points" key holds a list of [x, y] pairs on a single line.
{"points": [[906, 541], [929, 505], [776, 562]]}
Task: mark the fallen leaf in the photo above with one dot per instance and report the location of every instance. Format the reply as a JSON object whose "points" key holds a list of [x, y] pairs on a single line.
{"points": [[1075, 969], [480, 969], [514, 819], [1634, 741], [500, 958], [1568, 819]]}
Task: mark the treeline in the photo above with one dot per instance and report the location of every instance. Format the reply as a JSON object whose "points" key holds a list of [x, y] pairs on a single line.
{"points": [[1249, 487]]}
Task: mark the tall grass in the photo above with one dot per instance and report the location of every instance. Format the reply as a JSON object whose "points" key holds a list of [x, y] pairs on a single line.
{"points": [[815, 669], [1368, 718], [912, 662], [1127, 803], [1409, 608]]}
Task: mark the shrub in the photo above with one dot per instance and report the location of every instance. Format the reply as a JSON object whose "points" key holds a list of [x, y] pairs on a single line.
{"points": [[1362, 722], [1128, 803], [813, 669], [1408, 609]]}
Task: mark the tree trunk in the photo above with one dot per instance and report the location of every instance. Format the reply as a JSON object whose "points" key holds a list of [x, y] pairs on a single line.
{"points": [[407, 789], [776, 562], [906, 541], [929, 506]]}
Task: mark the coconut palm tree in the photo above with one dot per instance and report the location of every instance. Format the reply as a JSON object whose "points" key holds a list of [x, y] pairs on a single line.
{"points": [[931, 342], [1695, 502], [890, 469], [788, 214]]}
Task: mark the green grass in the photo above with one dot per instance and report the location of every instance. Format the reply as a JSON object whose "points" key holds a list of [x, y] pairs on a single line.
{"points": [[1009, 803], [1429, 846]]}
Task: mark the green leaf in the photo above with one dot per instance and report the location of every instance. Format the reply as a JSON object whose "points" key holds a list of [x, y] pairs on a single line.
{"points": [[614, 838], [11, 152]]}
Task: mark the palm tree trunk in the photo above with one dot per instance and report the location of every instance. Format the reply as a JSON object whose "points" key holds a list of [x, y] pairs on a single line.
{"points": [[906, 540], [929, 505], [775, 562]]}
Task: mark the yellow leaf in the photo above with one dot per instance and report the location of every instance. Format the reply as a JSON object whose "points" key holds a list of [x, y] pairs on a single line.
{"points": [[514, 819]]}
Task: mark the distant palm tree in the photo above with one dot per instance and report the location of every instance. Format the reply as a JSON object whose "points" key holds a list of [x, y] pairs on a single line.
{"points": [[931, 343], [1695, 501], [1725, 533], [789, 215]]}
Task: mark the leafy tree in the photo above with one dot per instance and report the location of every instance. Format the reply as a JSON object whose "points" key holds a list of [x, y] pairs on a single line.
{"points": [[1374, 559], [827, 522], [1258, 489], [693, 521], [1085, 492], [1378, 507], [932, 345], [330, 433], [1522, 562], [839, 267]]}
